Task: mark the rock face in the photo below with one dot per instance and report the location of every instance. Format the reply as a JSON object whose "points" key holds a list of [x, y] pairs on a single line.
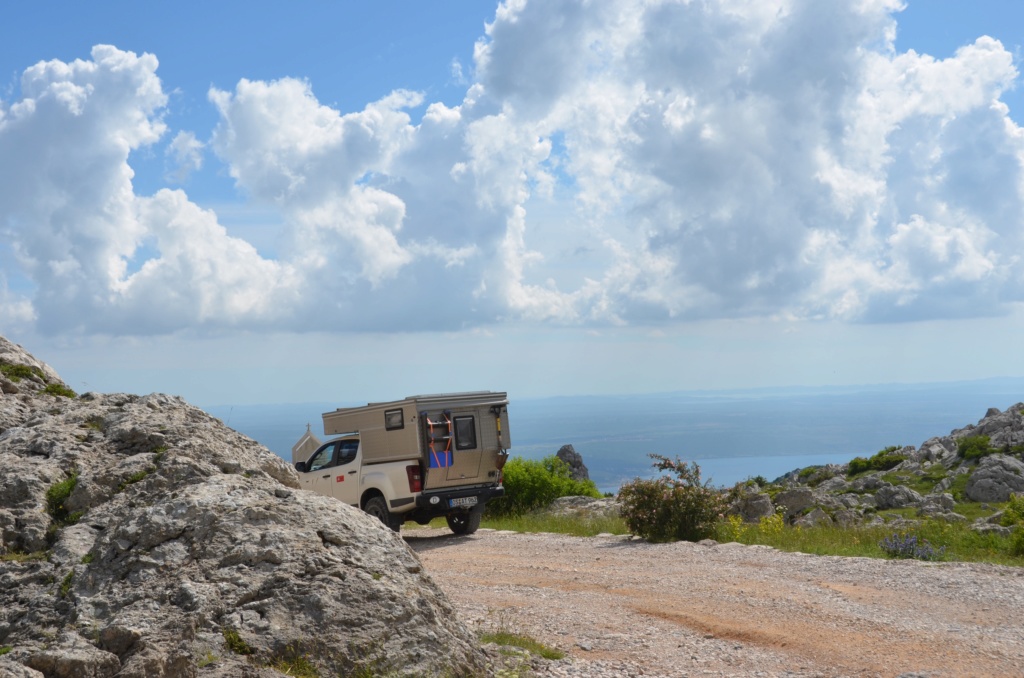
{"points": [[996, 479], [577, 469], [991, 473], [141, 537]]}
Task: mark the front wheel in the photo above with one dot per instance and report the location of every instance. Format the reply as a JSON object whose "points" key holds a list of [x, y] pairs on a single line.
{"points": [[464, 523], [378, 508]]}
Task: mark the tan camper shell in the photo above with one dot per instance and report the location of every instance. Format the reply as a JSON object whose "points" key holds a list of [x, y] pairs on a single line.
{"points": [[415, 459]]}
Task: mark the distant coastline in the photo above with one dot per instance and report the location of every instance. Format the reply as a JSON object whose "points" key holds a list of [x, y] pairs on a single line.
{"points": [[732, 434]]}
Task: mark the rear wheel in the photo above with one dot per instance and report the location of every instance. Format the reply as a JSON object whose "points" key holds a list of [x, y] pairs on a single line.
{"points": [[464, 523], [378, 508]]}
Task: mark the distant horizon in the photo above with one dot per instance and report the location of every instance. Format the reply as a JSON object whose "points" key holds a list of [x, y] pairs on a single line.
{"points": [[732, 434], [767, 390]]}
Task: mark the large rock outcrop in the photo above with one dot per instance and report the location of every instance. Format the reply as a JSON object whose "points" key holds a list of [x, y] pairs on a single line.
{"points": [[141, 537], [577, 469]]}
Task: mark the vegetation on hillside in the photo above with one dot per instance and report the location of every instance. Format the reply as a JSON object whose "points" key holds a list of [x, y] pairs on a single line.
{"points": [[531, 485]]}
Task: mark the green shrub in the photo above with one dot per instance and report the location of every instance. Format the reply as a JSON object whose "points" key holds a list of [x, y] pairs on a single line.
{"points": [[57, 494], [1013, 514], [883, 460], [974, 447], [531, 484], [235, 642], [59, 390], [672, 509], [65, 586], [18, 372], [1017, 543]]}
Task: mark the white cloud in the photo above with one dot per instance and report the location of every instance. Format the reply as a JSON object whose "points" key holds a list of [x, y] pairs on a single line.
{"points": [[718, 160], [187, 154]]}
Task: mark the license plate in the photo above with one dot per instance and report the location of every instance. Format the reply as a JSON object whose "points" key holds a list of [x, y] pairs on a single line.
{"points": [[462, 501]]}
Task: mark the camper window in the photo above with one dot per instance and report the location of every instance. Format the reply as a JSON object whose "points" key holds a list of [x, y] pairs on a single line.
{"points": [[393, 420], [465, 433]]}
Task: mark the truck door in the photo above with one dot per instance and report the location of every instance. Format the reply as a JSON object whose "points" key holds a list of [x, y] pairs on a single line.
{"points": [[467, 452], [318, 476], [345, 473]]}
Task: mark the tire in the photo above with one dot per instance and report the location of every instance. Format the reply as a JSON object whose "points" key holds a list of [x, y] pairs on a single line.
{"points": [[464, 523], [378, 508]]}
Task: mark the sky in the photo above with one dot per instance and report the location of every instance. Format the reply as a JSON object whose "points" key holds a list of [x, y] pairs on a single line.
{"points": [[253, 202]]}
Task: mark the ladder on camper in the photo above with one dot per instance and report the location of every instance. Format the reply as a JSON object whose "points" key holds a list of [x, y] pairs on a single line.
{"points": [[439, 440]]}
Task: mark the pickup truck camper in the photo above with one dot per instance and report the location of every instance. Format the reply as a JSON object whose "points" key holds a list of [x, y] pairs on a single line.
{"points": [[414, 459]]}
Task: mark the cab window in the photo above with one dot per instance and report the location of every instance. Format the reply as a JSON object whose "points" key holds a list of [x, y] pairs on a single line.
{"points": [[322, 458]]}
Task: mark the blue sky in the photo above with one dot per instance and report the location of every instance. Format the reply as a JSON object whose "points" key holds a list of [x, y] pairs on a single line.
{"points": [[246, 203]]}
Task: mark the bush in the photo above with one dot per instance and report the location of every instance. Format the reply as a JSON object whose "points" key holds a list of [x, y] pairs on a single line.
{"points": [[909, 546], [531, 484], [1013, 514], [974, 447], [59, 390], [1017, 543], [883, 460], [672, 509]]}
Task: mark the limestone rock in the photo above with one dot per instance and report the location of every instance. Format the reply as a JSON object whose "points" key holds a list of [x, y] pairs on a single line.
{"points": [[178, 534], [815, 517], [996, 478], [577, 469], [895, 496], [752, 506], [795, 501], [585, 507]]}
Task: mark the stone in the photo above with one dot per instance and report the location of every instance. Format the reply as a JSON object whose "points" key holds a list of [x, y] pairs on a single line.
{"points": [[586, 507], [996, 478], [189, 531], [895, 496], [577, 469], [752, 506], [795, 501], [816, 517]]}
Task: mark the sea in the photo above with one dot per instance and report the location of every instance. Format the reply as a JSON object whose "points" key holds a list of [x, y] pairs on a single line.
{"points": [[732, 435]]}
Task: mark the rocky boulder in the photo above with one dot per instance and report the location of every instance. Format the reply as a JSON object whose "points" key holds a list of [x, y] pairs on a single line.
{"points": [[795, 502], [896, 496], [996, 478], [585, 507], [577, 469], [752, 506], [142, 537]]}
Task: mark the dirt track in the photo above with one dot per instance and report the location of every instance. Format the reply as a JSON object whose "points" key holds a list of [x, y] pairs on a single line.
{"points": [[625, 607]]}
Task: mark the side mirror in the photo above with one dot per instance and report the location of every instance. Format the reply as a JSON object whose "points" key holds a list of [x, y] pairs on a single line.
{"points": [[300, 466]]}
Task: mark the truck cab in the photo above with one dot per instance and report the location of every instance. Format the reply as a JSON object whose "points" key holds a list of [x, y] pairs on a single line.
{"points": [[413, 459]]}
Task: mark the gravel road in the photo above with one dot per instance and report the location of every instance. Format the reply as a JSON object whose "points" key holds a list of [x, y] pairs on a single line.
{"points": [[623, 607]]}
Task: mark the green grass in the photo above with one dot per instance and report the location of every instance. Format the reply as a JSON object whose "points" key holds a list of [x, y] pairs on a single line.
{"points": [[65, 586], [235, 642], [59, 390], [921, 484], [543, 522], [960, 542], [5, 649], [56, 495], [523, 642], [134, 478], [561, 524], [19, 557], [18, 372], [297, 666]]}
